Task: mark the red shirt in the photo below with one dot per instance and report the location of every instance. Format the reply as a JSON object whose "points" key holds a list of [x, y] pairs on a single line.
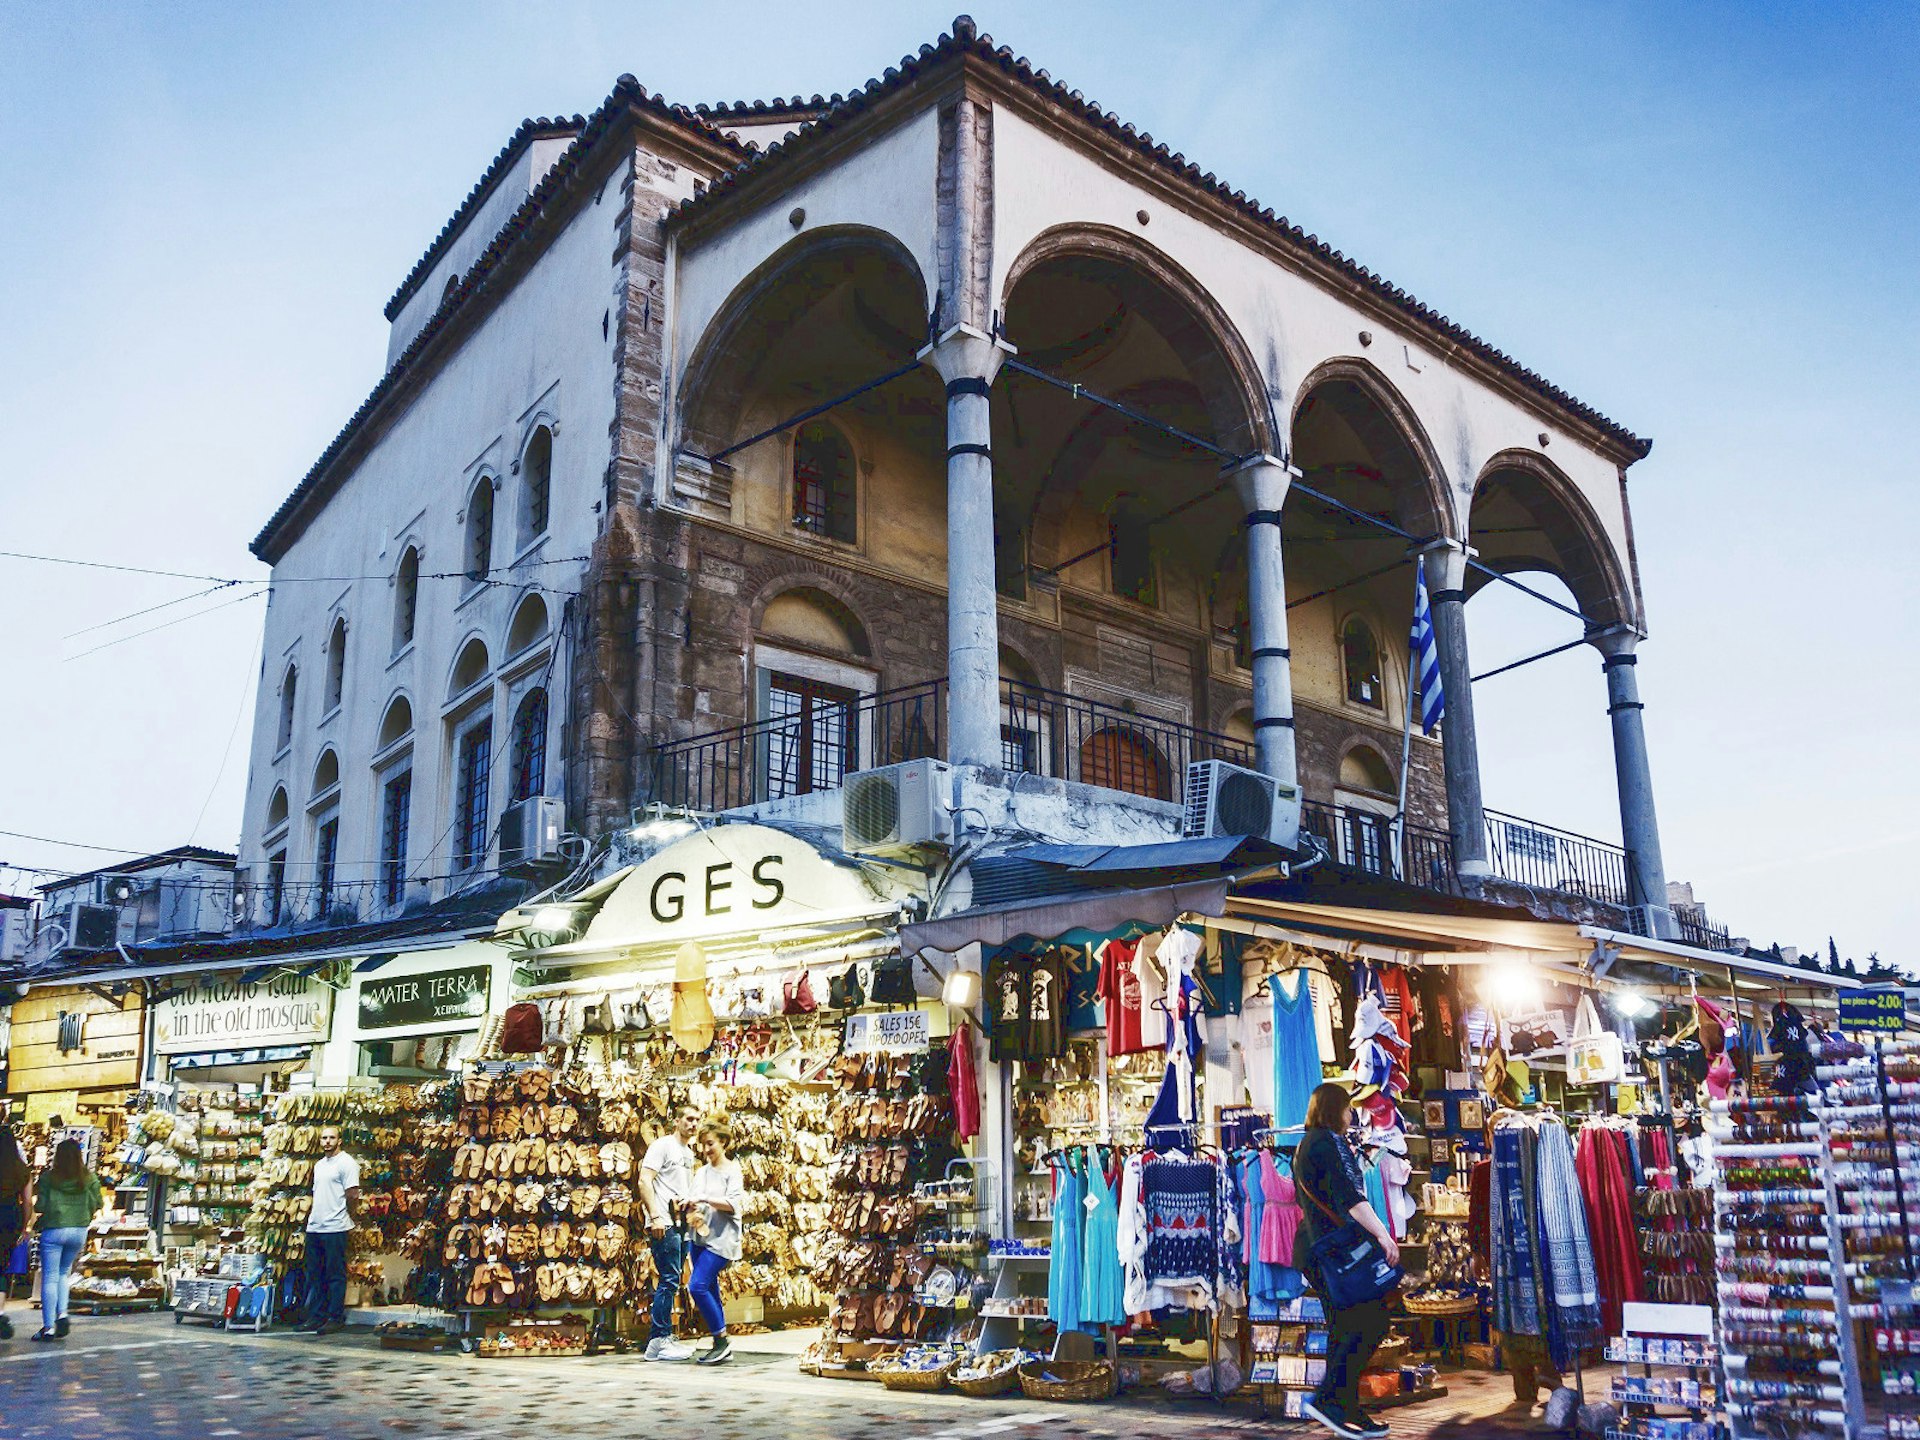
{"points": [[1120, 989]]}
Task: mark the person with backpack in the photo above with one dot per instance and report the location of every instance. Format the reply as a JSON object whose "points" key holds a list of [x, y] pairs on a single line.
{"points": [[65, 1201], [14, 1175], [1326, 1175]]}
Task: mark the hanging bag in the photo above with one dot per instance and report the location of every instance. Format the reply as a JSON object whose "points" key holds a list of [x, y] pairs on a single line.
{"points": [[1595, 1055], [797, 993], [1352, 1268], [893, 980]]}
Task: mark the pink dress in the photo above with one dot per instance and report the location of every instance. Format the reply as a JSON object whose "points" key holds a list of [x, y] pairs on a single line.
{"points": [[1279, 1215]]}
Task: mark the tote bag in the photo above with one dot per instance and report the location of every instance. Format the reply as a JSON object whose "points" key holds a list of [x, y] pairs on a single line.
{"points": [[1595, 1055]]}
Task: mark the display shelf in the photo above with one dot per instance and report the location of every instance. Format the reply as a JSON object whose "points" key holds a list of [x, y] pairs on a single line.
{"points": [[1665, 1337]]}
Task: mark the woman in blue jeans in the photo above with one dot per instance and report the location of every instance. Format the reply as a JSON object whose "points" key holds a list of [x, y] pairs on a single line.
{"points": [[719, 1194], [64, 1202]]}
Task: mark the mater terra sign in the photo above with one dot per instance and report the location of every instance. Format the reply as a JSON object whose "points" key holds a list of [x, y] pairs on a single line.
{"points": [[439, 995], [226, 1015]]}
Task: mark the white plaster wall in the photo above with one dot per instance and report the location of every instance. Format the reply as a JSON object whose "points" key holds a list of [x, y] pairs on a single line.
{"points": [[1288, 323], [509, 192], [887, 186], [540, 353]]}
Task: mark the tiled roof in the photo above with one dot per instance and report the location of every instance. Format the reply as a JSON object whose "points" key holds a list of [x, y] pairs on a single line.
{"points": [[966, 40], [179, 855], [529, 131], [746, 112], [628, 94]]}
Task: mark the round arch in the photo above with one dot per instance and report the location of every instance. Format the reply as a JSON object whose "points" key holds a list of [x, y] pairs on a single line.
{"points": [[1383, 421], [326, 773], [1365, 768], [1151, 284], [278, 809], [813, 610], [801, 275], [1528, 515], [396, 722], [472, 664], [529, 625]]}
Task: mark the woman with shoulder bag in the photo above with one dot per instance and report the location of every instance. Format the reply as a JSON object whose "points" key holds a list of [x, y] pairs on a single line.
{"points": [[1326, 1174]]}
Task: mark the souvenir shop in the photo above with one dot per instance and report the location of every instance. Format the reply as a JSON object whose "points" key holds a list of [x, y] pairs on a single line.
{"points": [[1533, 1132]]}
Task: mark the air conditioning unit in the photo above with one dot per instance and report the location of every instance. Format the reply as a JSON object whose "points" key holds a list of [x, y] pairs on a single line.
{"points": [[88, 927], [531, 830], [1225, 799], [118, 889], [898, 807], [13, 935]]}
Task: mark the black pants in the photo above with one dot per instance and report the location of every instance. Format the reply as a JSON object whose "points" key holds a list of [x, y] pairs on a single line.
{"points": [[1353, 1335], [326, 1277]]}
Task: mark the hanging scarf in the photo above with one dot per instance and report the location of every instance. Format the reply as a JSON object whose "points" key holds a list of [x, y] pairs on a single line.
{"points": [[1565, 1246], [1516, 1303], [963, 1081]]}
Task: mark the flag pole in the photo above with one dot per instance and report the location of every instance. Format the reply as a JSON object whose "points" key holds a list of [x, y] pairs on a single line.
{"points": [[1406, 754]]}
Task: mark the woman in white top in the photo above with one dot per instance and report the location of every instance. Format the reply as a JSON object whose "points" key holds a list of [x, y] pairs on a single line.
{"points": [[718, 1197]]}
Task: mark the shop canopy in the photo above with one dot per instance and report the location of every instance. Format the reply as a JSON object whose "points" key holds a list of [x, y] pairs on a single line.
{"points": [[1597, 953], [1048, 890]]}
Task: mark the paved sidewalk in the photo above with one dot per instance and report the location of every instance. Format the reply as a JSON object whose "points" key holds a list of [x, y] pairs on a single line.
{"points": [[143, 1378]]}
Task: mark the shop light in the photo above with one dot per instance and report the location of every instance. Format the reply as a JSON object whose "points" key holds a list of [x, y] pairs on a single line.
{"points": [[1512, 987], [1630, 1003], [553, 919], [962, 989]]}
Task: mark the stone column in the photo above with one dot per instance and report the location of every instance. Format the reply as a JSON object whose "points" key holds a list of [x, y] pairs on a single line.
{"points": [[1263, 481], [1466, 817], [967, 359], [1639, 827]]}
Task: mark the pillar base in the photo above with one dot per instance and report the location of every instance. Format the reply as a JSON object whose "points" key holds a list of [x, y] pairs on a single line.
{"points": [[1473, 870]]}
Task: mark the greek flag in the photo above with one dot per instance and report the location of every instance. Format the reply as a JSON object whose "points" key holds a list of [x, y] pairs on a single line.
{"points": [[1428, 700]]}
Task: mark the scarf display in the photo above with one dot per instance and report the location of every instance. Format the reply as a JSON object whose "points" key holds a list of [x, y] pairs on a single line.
{"points": [[1604, 1162], [1543, 1265]]}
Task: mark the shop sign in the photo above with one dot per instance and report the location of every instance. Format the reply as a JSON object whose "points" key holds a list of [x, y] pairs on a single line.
{"points": [[226, 1015], [892, 1032], [1881, 1008], [439, 995], [730, 880]]}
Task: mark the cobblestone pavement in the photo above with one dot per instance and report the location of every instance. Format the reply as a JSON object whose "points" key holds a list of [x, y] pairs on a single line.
{"points": [[143, 1378]]}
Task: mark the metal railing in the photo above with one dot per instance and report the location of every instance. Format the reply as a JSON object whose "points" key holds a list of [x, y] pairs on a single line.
{"points": [[1376, 844], [1697, 930], [1544, 857], [1042, 732]]}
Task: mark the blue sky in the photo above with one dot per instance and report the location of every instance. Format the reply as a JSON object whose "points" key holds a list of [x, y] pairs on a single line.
{"points": [[1699, 219]]}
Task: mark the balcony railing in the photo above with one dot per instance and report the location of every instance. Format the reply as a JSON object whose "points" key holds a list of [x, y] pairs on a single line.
{"points": [[1042, 732], [1526, 852], [1367, 841]]}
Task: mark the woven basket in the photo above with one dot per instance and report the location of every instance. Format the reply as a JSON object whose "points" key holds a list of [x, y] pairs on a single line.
{"points": [[1458, 1305], [985, 1387], [1391, 1351], [1076, 1379], [923, 1382]]}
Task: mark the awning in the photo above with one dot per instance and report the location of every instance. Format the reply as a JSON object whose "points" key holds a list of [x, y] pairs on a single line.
{"points": [[1158, 905]]}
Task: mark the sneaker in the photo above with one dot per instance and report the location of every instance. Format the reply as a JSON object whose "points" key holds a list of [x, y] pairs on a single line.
{"points": [[1370, 1425], [63, 1327], [44, 1335], [662, 1348], [332, 1327], [6, 1328], [1333, 1417], [715, 1353]]}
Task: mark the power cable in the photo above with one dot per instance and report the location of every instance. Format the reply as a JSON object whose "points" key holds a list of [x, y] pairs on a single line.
{"points": [[226, 580], [169, 624], [72, 845], [246, 696], [151, 609]]}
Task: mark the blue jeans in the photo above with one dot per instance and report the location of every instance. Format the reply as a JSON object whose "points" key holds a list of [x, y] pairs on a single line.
{"points": [[705, 1285], [58, 1250], [326, 1277], [669, 1254]]}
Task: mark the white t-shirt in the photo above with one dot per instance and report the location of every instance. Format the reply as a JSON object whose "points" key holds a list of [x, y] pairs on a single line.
{"points": [[671, 1161], [721, 1182], [333, 1176]]}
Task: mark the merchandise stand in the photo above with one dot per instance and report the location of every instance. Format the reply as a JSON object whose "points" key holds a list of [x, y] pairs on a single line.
{"points": [[1669, 1338]]}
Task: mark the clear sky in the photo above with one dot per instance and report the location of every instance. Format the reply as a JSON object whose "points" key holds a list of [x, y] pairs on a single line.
{"points": [[1700, 219]]}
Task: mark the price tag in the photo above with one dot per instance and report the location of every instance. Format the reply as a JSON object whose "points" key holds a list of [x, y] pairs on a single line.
{"points": [[1882, 1009]]}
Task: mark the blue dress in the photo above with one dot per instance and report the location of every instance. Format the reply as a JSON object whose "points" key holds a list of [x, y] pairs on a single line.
{"points": [[1296, 1050], [1102, 1286], [1063, 1271]]}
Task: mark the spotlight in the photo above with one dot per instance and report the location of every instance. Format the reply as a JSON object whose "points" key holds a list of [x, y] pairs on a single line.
{"points": [[1631, 1003], [962, 989]]}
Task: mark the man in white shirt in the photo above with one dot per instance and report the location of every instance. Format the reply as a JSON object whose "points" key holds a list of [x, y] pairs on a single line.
{"points": [[336, 1205], [666, 1183]]}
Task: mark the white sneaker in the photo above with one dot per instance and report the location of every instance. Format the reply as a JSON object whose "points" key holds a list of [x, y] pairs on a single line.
{"points": [[663, 1349]]}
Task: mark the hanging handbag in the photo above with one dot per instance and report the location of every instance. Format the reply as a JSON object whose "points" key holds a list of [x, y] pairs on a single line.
{"points": [[1351, 1266], [844, 991], [598, 1019], [797, 993], [522, 1030], [893, 981], [1595, 1055]]}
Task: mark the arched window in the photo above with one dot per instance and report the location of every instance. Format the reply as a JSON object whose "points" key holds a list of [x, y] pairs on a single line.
{"points": [[536, 486], [471, 668], [336, 667], [529, 625], [396, 724], [406, 599], [824, 500], [1131, 539], [289, 688], [326, 774], [277, 809], [529, 760], [1360, 654], [479, 549], [1121, 759], [1363, 769]]}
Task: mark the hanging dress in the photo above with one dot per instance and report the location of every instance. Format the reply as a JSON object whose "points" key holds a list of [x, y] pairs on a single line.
{"points": [[1102, 1287], [1296, 1050], [1064, 1271]]}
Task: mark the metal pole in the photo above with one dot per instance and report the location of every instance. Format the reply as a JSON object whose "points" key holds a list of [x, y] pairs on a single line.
{"points": [[1406, 758]]}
